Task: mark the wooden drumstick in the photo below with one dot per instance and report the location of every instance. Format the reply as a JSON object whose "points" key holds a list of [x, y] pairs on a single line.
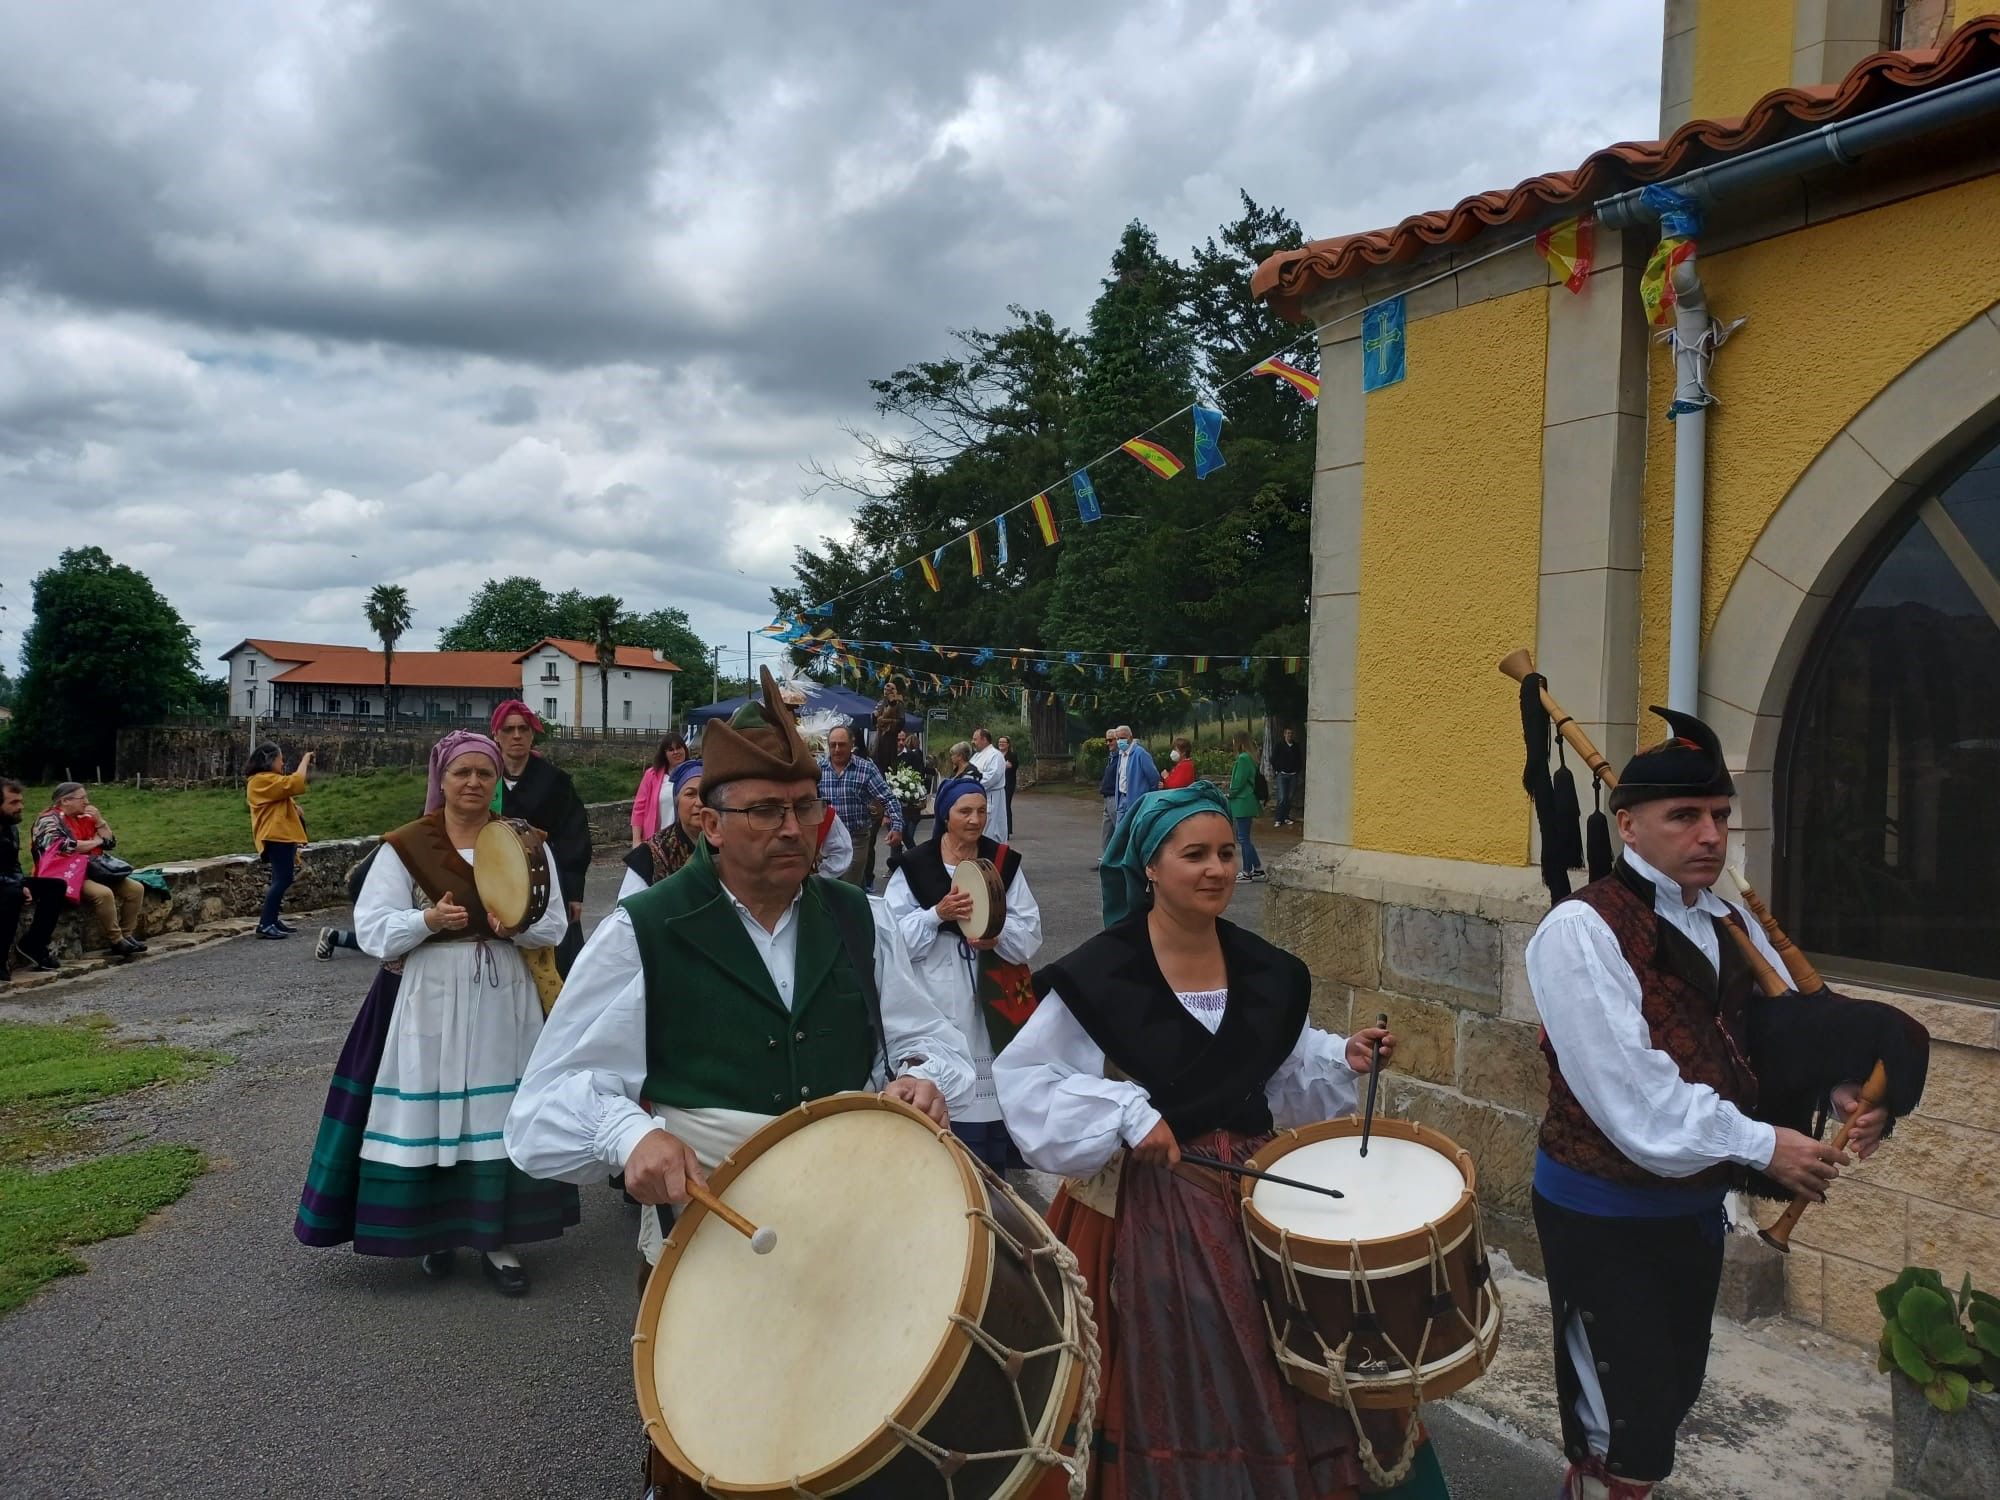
{"points": [[1779, 1235], [763, 1241], [1216, 1164], [1374, 1079]]}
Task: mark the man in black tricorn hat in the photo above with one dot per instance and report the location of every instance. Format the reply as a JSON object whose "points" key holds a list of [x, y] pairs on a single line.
{"points": [[1672, 1079]]}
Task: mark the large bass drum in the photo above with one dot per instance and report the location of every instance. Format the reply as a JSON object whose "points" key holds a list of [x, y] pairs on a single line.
{"points": [[1384, 1297], [916, 1331]]}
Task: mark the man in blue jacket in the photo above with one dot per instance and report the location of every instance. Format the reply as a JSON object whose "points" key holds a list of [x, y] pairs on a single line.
{"points": [[1137, 775], [1107, 788]]}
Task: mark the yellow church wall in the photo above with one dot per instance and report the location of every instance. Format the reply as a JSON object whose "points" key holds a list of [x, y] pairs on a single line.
{"points": [[1742, 50], [1450, 548], [1834, 313]]}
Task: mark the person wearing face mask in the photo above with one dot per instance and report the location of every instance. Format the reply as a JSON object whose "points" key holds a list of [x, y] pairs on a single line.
{"points": [[409, 1160], [1137, 774], [1173, 1027], [1180, 770]]}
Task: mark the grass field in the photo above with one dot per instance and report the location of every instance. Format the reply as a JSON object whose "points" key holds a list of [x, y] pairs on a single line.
{"points": [[45, 1073], [155, 825]]}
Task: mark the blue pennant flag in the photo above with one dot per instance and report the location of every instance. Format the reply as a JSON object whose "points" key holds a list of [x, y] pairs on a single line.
{"points": [[1072, 658], [1041, 665], [937, 558], [925, 646], [1000, 556], [1382, 344], [1207, 441], [1159, 661], [1244, 664], [1099, 671], [898, 575], [824, 611], [1087, 508], [982, 656]]}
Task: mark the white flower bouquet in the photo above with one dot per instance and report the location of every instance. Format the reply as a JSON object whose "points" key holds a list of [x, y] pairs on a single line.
{"points": [[906, 785]]}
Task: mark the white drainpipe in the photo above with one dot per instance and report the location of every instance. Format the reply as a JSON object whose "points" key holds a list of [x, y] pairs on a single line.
{"points": [[1695, 336]]}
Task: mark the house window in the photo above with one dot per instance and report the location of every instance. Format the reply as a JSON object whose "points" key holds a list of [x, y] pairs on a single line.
{"points": [[549, 709], [465, 708], [253, 666], [627, 676], [361, 706], [1890, 773], [628, 710], [250, 699], [332, 704]]}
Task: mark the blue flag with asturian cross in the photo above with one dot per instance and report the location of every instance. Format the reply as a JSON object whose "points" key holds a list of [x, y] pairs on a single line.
{"points": [[1207, 441]]}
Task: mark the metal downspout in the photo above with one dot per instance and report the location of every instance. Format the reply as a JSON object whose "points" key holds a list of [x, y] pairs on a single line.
{"points": [[1696, 334]]}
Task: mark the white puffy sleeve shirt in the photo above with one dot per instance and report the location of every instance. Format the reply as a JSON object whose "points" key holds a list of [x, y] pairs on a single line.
{"points": [[1589, 1001], [389, 924], [577, 1113], [1067, 1117]]}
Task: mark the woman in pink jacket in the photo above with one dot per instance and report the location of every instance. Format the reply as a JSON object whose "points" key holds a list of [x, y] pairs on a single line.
{"points": [[646, 812]]}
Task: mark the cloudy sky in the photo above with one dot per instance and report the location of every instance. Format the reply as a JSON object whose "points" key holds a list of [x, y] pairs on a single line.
{"points": [[296, 299]]}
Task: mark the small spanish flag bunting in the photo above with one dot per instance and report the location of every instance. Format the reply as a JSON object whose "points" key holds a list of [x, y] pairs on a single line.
{"points": [[1118, 658], [930, 572], [978, 555], [1200, 665], [1155, 456], [1291, 664], [1656, 282], [1570, 248], [1306, 385], [1045, 520]]}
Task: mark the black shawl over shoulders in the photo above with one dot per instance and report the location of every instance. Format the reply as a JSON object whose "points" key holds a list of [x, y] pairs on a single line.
{"points": [[923, 867], [546, 798], [1112, 984]]}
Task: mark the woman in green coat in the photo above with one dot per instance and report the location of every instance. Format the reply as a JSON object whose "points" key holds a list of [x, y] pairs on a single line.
{"points": [[1244, 805]]}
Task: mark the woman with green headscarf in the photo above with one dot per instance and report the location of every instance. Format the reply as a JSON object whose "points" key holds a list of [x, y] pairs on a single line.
{"points": [[1174, 1027]]}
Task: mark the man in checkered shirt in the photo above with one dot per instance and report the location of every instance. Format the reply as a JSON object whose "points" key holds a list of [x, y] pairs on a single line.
{"points": [[859, 795]]}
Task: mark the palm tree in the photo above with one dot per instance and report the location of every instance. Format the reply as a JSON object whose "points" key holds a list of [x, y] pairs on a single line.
{"points": [[388, 610], [605, 613]]}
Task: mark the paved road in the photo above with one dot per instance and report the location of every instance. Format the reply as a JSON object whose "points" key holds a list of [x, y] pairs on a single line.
{"points": [[211, 1355]]}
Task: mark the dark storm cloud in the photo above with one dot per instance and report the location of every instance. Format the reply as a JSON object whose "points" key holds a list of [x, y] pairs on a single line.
{"points": [[428, 292]]}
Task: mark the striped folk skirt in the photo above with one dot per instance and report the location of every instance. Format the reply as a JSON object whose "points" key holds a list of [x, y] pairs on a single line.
{"points": [[391, 1210]]}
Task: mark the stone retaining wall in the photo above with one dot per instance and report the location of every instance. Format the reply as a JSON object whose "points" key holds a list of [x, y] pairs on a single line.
{"points": [[232, 885], [1439, 946]]}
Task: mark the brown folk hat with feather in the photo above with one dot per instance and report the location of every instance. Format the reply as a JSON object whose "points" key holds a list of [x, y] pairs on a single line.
{"points": [[761, 741]]}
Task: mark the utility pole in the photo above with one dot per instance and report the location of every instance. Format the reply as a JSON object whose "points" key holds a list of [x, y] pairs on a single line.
{"points": [[749, 673], [715, 674]]}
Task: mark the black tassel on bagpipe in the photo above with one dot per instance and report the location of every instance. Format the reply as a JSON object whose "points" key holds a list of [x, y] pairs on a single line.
{"points": [[1566, 814], [1541, 790], [1597, 834]]}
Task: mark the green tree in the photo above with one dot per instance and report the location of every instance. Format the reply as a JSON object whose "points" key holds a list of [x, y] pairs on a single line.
{"points": [[105, 650], [506, 614], [388, 611], [8, 688], [607, 612]]}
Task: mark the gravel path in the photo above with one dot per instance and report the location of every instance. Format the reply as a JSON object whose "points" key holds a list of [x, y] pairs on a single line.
{"points": [[211, 1355]]}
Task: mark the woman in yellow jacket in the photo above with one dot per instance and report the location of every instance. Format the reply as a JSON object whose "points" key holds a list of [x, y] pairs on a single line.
{"points": [[276, 826]]}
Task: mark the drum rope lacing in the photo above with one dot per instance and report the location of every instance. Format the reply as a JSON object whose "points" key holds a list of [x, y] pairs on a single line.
{"points": [[948, 1462], [1333, 1365], [1084, 1346]]}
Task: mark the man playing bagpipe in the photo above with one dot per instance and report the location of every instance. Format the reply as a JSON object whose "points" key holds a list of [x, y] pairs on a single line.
{"points": [[1674, 1076]]}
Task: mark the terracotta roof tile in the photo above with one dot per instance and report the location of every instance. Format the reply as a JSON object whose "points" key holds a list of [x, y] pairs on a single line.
{"points": [[288, 650], [638, 657], [414, 669], [1286, 279]]}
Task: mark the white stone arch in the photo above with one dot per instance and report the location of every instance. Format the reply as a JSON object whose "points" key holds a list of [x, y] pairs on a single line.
{"points": [[1914, 428]]}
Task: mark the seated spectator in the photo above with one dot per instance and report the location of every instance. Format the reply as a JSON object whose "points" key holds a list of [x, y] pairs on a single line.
{"points": [[73, 825], [45, 898]]}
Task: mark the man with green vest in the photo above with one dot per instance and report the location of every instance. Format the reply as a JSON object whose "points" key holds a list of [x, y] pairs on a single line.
{"points": [[730, 992]]}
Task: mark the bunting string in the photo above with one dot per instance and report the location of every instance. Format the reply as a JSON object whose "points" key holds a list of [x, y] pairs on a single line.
{"points": [[1568, 247], [794, 632]]}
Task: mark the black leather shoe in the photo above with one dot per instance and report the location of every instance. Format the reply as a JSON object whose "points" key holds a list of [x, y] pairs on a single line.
{"points": [[124, 948], [43, 962], [511, 1280], [137, 946], [440, 1263]]}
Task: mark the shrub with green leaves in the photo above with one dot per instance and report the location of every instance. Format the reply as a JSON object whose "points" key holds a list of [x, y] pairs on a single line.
{"points": [[1949, 1347]]}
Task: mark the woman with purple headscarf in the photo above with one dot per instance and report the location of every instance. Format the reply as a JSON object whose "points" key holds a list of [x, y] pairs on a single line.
{"points": [[409, 1159]]}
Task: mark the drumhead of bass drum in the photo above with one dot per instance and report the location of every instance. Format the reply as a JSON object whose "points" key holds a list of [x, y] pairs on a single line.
{"points": [[500, 870], [1399, 1186], [771, 1367]]}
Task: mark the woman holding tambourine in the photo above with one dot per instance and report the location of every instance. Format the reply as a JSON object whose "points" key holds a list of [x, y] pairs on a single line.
{"points": [[972, 926], [409, 1160]]}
